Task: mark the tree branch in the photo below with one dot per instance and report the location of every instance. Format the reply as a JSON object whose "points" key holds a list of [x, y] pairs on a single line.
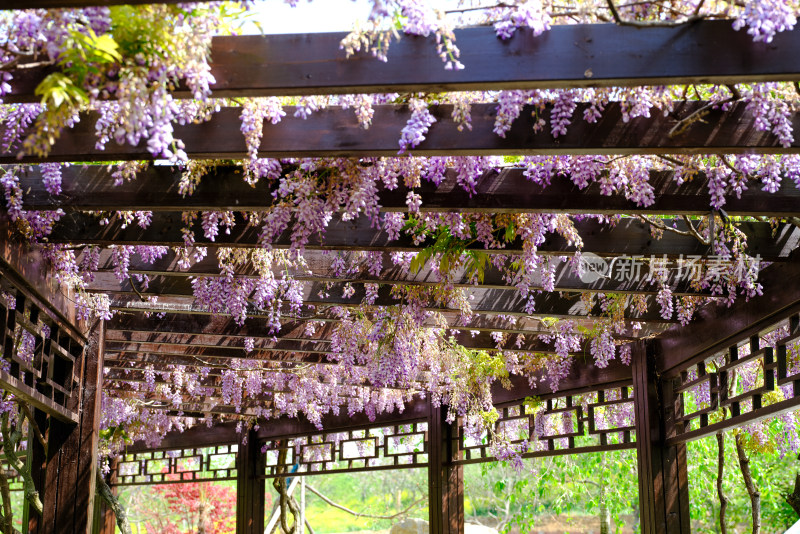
{"points": [[658, 223], [752, 489], [11, 440], [37, 432], [358, 514], [119, 511], [651, 23], [683, 124], [723, 499]]}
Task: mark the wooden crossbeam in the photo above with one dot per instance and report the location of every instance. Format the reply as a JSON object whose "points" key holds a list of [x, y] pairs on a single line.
{"points": [[119, 378], [585, 377], [212, 358], [628, 237], [141, 342], [581, 55], [321, 269], [483, 302], [90, 188], [322, 347], [565, 281], [336, 132], [185, 326]]}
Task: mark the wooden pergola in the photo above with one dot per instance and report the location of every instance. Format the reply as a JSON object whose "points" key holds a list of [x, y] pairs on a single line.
{"points": [[76, 360]]}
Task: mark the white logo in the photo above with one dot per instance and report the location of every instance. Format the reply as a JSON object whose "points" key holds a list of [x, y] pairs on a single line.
{"points": [[592, 268]]}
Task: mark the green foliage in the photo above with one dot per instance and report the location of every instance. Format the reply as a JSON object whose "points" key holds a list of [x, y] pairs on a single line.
{"points": [[451, 251], [86, 54], [574, 485]]}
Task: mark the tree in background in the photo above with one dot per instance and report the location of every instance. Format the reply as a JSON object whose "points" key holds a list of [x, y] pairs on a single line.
{"points": [[193, 508]]}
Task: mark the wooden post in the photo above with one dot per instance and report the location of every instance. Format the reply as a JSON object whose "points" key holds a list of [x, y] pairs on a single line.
{"points": [[249, 487], [445, 480], [69, 486], [663, 482]]}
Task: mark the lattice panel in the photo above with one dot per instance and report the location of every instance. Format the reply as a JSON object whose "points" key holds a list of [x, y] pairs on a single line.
{"points": [[177, 465], [599, 420], [755, 377], [40, 359], [386, 447]]}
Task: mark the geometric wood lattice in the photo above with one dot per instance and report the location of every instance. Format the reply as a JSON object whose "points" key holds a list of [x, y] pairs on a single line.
{"points": [[754, 378], [191, 464], [401, 446], [567, 424], [40, 358]]}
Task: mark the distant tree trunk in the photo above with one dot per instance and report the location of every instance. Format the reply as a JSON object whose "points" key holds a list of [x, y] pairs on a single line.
{"points": [[794, 497], [201, 518], [752, 489], [605, 516], [723, 499]]}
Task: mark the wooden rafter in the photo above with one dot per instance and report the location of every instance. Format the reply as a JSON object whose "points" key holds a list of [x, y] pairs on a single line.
{"points": [[336, 132], [581, 55], [628, 237], [90, 188]]}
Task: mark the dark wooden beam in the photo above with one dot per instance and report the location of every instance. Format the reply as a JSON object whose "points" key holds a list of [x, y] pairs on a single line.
{"points": [[584, 376], [628, 237], [581, 55], [208, 324], [161, 360], [90, 188], [224, 433], [321, 268], [336, 132], [482, 301], [716, 327], [663, 478], [142, 340]]}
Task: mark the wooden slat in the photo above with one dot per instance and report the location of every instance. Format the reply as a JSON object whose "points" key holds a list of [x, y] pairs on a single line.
{"points": [[581, 55], [90, 188], [628, 237], [336, 132]]}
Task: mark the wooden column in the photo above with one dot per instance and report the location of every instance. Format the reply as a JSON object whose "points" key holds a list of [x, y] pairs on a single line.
{"points": [[69, 486], [663, 482], [249, 487], [445, 480]]}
